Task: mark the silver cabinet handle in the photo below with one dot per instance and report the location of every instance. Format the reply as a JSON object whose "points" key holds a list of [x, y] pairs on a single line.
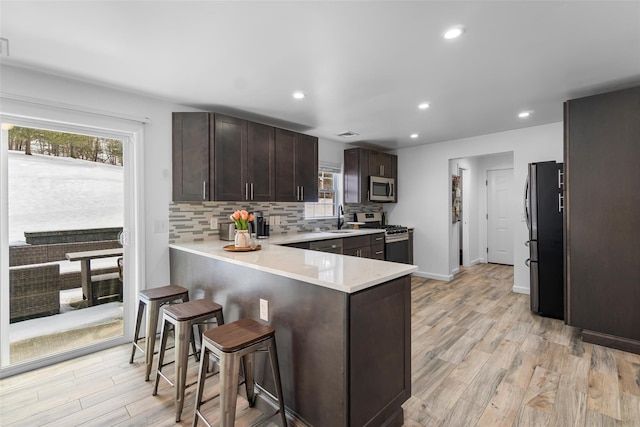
{"points": [[379, 252], [246, 191], [297, 192], [302, 193], [526, 262], [204, 190], [252, 191], [379, 238]]}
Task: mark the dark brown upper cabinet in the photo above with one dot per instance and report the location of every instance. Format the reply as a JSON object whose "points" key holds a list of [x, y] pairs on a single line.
{"points": [[223, 158], [381, 164], [191, 140], [243, 160], [296, 167], [359, 165]]}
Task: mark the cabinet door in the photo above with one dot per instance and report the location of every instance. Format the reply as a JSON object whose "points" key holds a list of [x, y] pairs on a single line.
{"points": [[350, 251], [296, 167], [365, 252], [260, 159], [190, 156], [380, 164], [377, 252], [230, 147], [286, 187], [307, 167], [356, 176], [375, 166], [602, 214]]}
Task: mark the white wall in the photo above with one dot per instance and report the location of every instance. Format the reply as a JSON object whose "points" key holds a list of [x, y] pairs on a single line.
{"points": [[157, 140], [424, 192], [157, 144]]}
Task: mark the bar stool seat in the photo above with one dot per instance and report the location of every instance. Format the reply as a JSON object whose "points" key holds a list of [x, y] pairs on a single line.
{"points": [[232, 344], [153, 299], [182, 317]]}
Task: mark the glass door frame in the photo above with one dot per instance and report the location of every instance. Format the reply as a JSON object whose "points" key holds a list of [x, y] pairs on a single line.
{"points": [[131, 133]]}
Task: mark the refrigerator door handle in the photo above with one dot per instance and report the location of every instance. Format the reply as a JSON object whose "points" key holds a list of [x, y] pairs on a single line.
{"points": [[526, 203], [560, 202], [527, 262]]}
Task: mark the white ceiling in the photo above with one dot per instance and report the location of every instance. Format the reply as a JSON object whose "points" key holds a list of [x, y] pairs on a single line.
{"points": [[364, 65]]}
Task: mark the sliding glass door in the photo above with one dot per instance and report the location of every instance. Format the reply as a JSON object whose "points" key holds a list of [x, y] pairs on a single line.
{"points": [[68, 278]]}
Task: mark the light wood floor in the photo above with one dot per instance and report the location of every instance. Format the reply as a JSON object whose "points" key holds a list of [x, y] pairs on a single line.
{"points": [[479, 358]]}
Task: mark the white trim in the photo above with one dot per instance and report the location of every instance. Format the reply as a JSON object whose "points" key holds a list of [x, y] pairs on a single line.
{"points": [[455, 271], [476, 261], [434, 276], [521, 290], [132, 135], [70, 107], [4, 247]]}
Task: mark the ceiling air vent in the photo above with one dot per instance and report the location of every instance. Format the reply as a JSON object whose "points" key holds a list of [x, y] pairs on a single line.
{"points": [[348, 134]]}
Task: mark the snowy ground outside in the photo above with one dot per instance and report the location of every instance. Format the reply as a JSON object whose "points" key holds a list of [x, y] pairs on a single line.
{"points": [[49, 193]]}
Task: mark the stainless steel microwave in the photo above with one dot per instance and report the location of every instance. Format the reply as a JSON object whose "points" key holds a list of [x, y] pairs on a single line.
{"points": [[382, 189]]}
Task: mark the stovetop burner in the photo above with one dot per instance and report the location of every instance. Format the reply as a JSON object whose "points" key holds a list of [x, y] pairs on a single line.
{"points": [[375, 219]]}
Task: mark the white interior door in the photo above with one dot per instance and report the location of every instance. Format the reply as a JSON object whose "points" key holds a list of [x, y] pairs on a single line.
{"points": [[500, 216]]}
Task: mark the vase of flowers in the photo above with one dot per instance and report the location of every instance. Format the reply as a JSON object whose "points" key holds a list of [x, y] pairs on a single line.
{"points": [[241, 219]]}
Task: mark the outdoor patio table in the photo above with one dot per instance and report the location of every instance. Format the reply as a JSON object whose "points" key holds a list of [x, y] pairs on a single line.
{"points": [[85, 266]]}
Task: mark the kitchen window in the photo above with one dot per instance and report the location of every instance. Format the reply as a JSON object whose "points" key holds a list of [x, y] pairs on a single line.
{"points": [[329, 179]]}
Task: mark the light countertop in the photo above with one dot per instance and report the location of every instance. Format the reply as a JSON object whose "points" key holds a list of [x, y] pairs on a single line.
{"points": [[339, 272]]}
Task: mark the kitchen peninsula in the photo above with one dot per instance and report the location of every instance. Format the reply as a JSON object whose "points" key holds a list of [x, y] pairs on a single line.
{"points": [[342, 323]]}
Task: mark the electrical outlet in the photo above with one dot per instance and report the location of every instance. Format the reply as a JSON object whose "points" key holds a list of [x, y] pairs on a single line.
{"points": [[214, 223], [264, 310]]}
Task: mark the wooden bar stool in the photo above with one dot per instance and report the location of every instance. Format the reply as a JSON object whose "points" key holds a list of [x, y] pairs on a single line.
{"points": [[232, 344], [153, 299], [183, 317]]}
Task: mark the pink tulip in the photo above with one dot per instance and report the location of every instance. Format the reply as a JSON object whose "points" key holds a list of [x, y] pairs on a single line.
{"points": [[251, 217], [235, 215], [244, 215]]}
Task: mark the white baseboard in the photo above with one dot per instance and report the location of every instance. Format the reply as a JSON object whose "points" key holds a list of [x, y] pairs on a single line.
{"points": [[521, 290], [455, 271], [433, 276], [476, 261]]}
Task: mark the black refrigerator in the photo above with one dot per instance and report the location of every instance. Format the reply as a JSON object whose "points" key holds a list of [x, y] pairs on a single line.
{"points": [[544, 202]]}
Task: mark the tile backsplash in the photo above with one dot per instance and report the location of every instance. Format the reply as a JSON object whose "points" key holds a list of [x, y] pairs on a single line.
{"points": [[191, 221]]}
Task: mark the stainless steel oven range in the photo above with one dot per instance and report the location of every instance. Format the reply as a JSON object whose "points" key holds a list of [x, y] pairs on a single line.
{"points": [[396, 237]]}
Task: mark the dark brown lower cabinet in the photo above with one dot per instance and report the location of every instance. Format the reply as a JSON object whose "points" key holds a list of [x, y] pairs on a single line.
{"points": [[344, 358], [602, 217]]}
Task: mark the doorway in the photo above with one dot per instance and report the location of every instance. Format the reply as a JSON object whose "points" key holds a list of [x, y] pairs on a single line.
{"points": [[55, 206]]}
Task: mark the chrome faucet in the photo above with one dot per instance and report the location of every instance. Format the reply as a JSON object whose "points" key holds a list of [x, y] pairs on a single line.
{"points": [[340, 219]]}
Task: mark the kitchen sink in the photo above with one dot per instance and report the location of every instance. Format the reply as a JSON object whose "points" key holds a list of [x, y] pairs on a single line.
{"points": [[342, 231]]}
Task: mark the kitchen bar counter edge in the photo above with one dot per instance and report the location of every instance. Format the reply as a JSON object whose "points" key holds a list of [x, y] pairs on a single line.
{"points": [[338, 272]]}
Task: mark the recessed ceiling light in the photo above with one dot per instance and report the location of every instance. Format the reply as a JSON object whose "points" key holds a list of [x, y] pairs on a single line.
{"points": [[524, 114], [414, 135], [423, 106], [298, 95], [453, 32]]}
